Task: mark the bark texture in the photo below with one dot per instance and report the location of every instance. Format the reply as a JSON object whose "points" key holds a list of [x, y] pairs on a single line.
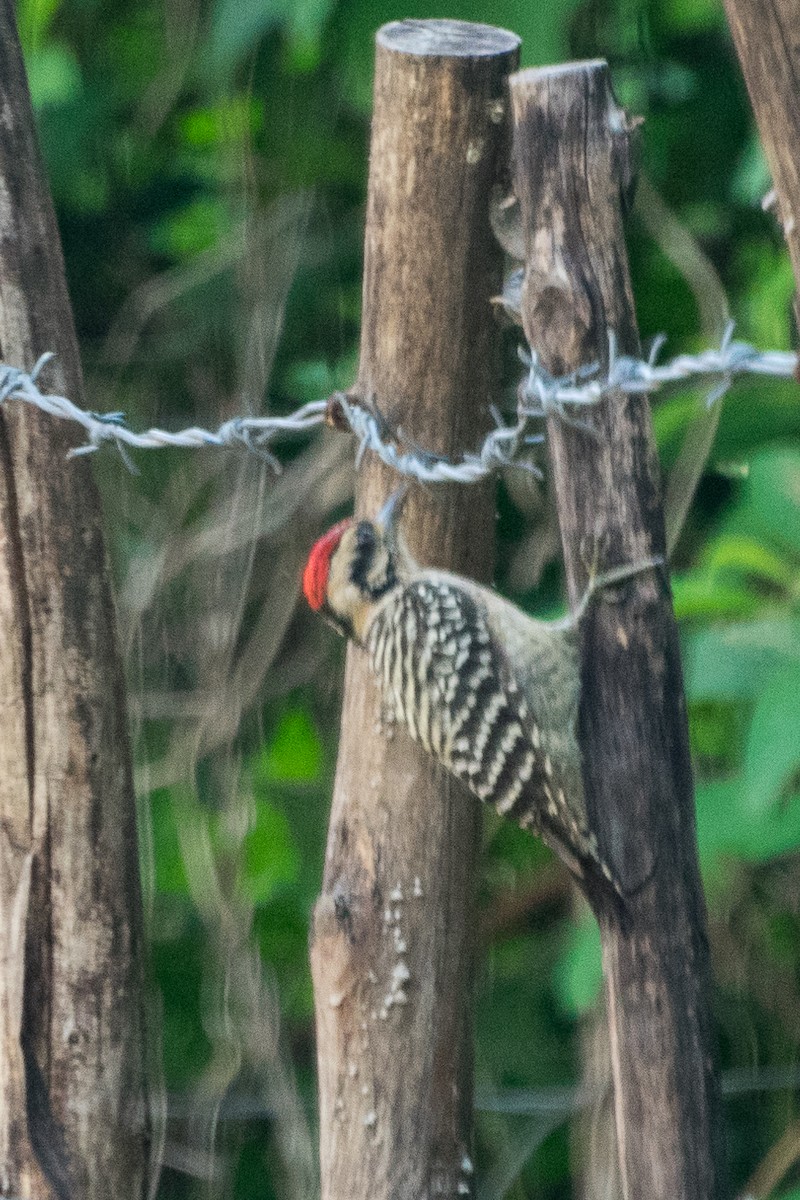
{"points": [[573, 170], [71, 1057], [765, 33], [394, 930]]}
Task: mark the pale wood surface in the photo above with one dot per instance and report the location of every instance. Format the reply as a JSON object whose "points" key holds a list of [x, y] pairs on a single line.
{"points": [[71, 1057], [396, 1083], [573, 167]]}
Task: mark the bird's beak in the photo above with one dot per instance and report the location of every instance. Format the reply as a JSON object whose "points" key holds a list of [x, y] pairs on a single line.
{"points": [[390, 512], [330, 618]]}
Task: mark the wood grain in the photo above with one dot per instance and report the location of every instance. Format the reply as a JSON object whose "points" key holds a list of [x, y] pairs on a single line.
{"points": [[396, 1082], [573, 167], [71, 1051], [766, 34]]}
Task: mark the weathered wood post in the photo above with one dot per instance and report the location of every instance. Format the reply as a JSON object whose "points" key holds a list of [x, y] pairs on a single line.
{"points": [[572, 165], [72, 1080], [765, 36], [394, 930]]}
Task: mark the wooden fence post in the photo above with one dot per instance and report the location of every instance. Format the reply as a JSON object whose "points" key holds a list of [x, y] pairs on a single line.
{"points": [[765, 36], [72, 1082], [394, 930], [572, 163]]}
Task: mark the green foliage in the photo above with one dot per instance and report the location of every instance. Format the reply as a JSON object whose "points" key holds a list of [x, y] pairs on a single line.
{"points": [[208, 164], [578, 977]]}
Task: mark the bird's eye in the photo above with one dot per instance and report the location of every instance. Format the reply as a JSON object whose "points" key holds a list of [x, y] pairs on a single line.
{"points": [[372, 569], [365, 535]]}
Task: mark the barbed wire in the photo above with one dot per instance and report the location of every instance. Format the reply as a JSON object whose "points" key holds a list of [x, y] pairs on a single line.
{"points": [[501, 447], [540, 395], [544, 394], [254, 433]]}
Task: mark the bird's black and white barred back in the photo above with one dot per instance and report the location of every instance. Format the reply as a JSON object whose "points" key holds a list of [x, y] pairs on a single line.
{"points": [[442, 675], [491, 693]]}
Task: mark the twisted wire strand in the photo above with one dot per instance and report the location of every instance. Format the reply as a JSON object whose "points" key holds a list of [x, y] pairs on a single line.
{"points": [[544, 394], [540, 395]]}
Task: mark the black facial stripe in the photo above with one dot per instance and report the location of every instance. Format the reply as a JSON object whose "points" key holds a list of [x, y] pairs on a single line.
{"points": [[364, 559], [363, 554]]}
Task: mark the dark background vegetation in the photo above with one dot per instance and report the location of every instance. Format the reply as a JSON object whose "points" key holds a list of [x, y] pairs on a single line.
{"points": [[208, 162]]}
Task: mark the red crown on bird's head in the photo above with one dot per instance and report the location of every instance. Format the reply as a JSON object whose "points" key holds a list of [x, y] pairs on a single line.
{"points": [[315, 575]]}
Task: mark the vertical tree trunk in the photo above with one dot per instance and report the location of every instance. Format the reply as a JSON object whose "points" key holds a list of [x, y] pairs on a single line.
{"points": [[72, 1120], [572, 170], [766, 41], [394, 930]]}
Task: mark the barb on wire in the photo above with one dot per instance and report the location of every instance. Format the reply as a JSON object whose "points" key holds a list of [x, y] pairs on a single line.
{"points": [[254, 433], [539, 396], [544, 394], [502, 447]]}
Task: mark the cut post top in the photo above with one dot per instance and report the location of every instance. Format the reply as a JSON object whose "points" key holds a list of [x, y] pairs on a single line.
{"points": [[588, 66], [443, 38]]}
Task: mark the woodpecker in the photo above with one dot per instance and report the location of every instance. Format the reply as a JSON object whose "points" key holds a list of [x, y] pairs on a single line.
{"points": [[489, 691]]}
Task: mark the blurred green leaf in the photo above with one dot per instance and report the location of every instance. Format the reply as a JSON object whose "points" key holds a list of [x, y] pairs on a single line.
{"points": [[232, 121], [54, 76], [753, 413], [201, 225], [281, 926], [294, 755], [578, 975], [34, 18], [703, 594], [739, 552], [271, 858], [179, 970], [706, 219], [727, 825], [730, 662], [714, 728], [313, 379], [688, 469], [498, 1184], [170, 874], [511, 854], [238, 25], [671, 418], [752, 179], [772, 750], [765, 304], [770, 500], [690, 16]]}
